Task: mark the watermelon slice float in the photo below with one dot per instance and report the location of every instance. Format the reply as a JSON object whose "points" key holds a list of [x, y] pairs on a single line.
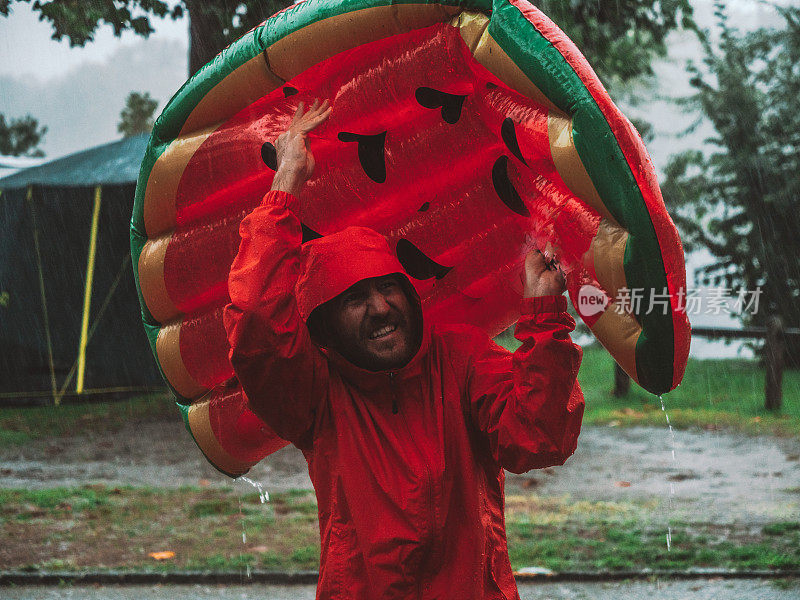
{"points": [[465, 132]]}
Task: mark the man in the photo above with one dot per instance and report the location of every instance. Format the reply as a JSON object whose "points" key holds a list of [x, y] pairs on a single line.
{"points": [[406, 427]]}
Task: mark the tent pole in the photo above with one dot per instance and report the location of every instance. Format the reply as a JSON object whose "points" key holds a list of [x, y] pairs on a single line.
{"points": [[29, 198], [87, 295]]}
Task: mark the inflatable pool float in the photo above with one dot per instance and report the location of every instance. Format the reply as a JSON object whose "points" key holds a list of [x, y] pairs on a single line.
{"points": [[465, 132]]}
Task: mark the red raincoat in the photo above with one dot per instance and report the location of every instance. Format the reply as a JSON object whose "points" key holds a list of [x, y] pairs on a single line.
{"points": [[407, 465]]}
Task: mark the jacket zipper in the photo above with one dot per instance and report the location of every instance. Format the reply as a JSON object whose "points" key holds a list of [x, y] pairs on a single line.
{"points": [[428, 475], [395, 408]]}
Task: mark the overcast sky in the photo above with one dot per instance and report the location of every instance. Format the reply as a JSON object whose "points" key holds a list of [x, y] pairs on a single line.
{"points": [[78, 93]]}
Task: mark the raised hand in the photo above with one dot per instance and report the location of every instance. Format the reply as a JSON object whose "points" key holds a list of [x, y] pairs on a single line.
{"points": [[542, 278], [295, 160]]}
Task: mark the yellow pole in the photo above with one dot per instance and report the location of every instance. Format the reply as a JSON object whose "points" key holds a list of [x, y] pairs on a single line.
{"points": [[87, 294]]}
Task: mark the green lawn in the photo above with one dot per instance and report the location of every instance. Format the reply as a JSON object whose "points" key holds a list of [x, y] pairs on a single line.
{"points": [[98, 527], [21, 425], [715, 394], [724, 394]]}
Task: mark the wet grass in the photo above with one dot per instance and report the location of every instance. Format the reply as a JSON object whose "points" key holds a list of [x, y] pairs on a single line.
{"points": [[714, 395], [98, 527], [23, 425]]}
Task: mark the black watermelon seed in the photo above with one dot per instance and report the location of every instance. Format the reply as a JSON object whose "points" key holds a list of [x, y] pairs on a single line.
{"points": [[451, 104], [308, 233], [505, 189], [269, 155], [417, 264], [509, 135], [370, 153]]}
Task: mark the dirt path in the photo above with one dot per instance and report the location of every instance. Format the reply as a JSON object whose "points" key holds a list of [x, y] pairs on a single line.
{"points": [[749, 589], [723, 477]]}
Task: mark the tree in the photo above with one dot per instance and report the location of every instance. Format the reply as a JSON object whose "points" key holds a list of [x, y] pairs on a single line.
{"points": [[137, 116], [20, 137], [620, 37], [213, 24], [740, 198]]}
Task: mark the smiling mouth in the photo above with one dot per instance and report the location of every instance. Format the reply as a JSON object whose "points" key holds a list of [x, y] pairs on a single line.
{"points": [[383, 332]]}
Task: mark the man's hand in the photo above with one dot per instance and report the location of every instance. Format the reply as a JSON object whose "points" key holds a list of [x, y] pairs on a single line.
{"points": [[295, 161], [542, 278]]}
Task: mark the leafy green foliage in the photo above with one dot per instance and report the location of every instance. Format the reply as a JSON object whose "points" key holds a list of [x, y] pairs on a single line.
{"points": [[78, 21], [620, 38], [739, 200], [213, 23], [137, 116], [20, 137]]}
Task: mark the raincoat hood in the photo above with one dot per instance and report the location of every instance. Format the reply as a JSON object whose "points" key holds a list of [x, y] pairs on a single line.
{"points": [[333, 263]]}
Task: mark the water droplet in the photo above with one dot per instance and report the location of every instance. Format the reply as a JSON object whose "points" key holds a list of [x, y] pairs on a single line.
{"points": [[262, 494]]}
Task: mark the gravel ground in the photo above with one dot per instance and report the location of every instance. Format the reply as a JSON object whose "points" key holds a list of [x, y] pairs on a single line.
{"points": [[662, 590], [721, 477]]}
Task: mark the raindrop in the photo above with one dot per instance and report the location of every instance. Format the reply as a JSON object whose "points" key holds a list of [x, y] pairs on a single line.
{"points": [[262, 494]]}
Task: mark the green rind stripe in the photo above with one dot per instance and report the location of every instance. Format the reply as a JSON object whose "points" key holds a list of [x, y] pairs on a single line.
{"points": [[310, 12], [605, 162], [185, 416]]}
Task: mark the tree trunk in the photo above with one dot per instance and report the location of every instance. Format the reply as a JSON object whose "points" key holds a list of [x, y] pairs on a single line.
{"points": [[774, 359], [622, 383], [205, 35]]}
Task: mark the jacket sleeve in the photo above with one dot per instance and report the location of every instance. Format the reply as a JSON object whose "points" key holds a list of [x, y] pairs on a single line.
{"points": [[282, 372], [529, 406]]}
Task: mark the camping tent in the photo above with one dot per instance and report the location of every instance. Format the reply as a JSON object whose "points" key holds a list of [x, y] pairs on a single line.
{"points": [[69, 315]]}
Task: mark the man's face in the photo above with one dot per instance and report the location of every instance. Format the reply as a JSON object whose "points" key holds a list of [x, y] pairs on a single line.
{"points": [[374, 325]]}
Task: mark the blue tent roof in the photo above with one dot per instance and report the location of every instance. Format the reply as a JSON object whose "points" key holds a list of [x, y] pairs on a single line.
{"points": [[114, 163]]}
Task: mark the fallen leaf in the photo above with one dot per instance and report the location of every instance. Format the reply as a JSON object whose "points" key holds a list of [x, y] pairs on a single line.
{"points": [[165, 555], [259, 549], [529, 483], [622, 483], [204, 483], [614, 424], [755, 420]]}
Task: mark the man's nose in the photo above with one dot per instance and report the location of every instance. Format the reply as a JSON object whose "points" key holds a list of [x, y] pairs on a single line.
{"points": [[377, 303]]}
